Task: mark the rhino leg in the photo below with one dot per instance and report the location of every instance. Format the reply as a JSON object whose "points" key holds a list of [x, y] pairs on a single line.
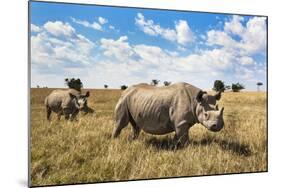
{"points": [[59, 115], [49, 111], [181, 137], [73, 115], [136, 129], [122, 121], [66, 113]]}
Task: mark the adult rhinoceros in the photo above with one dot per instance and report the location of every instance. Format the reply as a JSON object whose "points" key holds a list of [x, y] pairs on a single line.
{"points": [[67, 102], [162, 110]]}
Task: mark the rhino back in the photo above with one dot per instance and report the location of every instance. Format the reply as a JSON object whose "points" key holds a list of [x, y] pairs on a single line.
{"points": [[59, 99]]}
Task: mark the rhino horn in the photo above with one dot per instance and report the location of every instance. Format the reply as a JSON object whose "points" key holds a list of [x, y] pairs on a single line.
{"points": [[218, 95], [221, 110]]}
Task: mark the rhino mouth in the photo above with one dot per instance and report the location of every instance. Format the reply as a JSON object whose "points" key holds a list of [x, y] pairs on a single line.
{"points": [[216, 127]]}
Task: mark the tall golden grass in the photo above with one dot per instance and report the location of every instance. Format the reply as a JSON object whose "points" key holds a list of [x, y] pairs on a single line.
{"points": [[64, 152]]}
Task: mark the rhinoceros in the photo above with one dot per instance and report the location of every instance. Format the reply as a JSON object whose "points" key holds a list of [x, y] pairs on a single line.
{"points": [[161, 110], [67, 102]]}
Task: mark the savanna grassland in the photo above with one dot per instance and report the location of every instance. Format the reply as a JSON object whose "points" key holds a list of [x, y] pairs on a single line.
{"points": [[64, 152]]}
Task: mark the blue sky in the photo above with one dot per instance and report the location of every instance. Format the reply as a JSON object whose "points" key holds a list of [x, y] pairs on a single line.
{"points": [[116, 46]]}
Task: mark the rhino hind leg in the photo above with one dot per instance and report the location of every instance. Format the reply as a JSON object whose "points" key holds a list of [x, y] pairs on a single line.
{"points": [[122, 121], [59, 115], [49, 111], [136, 129]]}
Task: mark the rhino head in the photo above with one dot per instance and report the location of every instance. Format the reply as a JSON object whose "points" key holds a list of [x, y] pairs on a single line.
{"points": [[80, 102], [207, 111]]}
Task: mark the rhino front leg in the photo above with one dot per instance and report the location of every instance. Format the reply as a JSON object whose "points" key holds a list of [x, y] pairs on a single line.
{"points": [[66, 113], [73, 115], [182, 136]]}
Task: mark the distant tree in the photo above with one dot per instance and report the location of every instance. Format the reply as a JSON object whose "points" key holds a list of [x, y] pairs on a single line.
{"points": [[155, 82], [166, 83], [219, 86], [258, 85], [105, 86], [74, 83], [237, 87], [38, 86], [123, 87]]}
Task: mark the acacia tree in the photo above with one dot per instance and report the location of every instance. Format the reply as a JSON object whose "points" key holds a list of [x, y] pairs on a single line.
{"points": [[258, 85], [74, 83], [220, 86], [237, 87], [123, 87], [155, 82], [105, 86], [166, 83]]}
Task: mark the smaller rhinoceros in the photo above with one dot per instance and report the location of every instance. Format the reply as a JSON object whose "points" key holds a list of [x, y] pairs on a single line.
{"points": [[67, 102]]}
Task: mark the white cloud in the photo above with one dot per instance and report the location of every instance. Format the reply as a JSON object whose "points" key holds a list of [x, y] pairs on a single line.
{"points": [[35, 28], [102, 20], [246, 60], [182, 33], [58, 46], [119, 49], [253, 35], [220, 38], [93, 25], [59, 28], [235, 26], [111, 27], [64, 52]]}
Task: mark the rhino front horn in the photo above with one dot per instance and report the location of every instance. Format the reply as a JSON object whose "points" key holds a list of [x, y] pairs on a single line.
{"points": [[221, 110]]}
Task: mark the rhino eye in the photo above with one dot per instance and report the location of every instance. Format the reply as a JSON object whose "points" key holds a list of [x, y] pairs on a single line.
{"points": [[206, 115]]}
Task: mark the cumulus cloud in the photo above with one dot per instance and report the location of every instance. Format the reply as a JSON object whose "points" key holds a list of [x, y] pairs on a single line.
{"points": [[253, 35], [102, 20], [154, 62], [181, 34], [234, 25], [58, 46], [59, 28], [85, 23], [35, 28], [119, 49]]}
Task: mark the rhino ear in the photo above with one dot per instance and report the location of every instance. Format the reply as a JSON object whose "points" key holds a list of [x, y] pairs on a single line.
{"points": [[199, 96], [87, 94], [218, 95]]}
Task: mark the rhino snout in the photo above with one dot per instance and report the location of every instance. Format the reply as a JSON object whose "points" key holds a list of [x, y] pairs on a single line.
{"points": [[216, 127]]}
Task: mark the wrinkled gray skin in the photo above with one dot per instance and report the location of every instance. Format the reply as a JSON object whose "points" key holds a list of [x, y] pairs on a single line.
{"points": [[67, 102], [162, 110]]}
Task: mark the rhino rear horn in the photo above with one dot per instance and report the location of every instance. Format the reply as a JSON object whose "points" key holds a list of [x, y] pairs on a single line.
{"points": [[218, 95], [87, 94]]}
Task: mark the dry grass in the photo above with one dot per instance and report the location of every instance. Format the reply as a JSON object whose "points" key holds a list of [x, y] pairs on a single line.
{"points": [[74, 152]]}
